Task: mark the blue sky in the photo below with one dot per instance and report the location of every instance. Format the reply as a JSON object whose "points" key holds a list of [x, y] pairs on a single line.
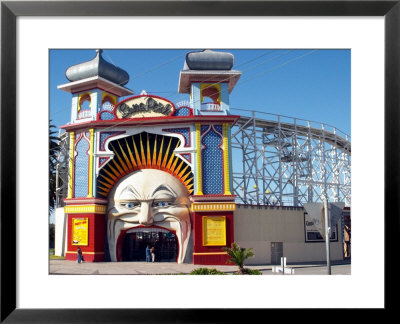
{"points": [[308, 84]]}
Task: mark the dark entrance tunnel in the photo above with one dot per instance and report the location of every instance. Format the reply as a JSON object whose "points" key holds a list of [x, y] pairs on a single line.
{"points": [[165, 243]]}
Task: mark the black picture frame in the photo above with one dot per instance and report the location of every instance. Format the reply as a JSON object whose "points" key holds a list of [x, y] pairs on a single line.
{"points": [[10, 10]]}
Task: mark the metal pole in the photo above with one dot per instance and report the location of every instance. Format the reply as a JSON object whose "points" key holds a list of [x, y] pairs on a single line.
{"points": [[327, 238]]}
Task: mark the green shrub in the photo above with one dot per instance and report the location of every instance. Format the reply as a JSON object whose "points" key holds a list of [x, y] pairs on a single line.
{"points": [[248, 271], [207, 271], [55, 257]]}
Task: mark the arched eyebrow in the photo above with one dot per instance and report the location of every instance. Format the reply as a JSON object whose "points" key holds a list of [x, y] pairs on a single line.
{"points": [[129, 193], [163, 187]]}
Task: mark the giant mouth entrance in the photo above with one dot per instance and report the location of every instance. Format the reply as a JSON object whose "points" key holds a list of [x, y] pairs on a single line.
{"points": [[135, 242]]}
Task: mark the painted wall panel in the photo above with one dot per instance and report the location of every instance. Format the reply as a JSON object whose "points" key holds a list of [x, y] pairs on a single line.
{"points": [[257, 228]]}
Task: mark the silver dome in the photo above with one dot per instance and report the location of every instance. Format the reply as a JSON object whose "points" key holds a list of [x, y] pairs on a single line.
{"points": [[208, 60], [97, 67]]}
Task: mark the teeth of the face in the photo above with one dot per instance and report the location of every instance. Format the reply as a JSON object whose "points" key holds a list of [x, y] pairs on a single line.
{"points": [[114, 231], [181, 228], [143, 229]]}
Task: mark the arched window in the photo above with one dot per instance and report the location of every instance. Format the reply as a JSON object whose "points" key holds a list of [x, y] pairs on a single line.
{"points": [[108, 103], [210, 97], [84, 106]]}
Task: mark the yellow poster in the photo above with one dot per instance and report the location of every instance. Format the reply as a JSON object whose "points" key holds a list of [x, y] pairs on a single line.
{"points": [[80, 231], [214, 230]]}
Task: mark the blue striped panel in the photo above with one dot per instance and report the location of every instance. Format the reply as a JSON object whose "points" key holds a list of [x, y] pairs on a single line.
{"points": [[212, 164], [81, 168]]}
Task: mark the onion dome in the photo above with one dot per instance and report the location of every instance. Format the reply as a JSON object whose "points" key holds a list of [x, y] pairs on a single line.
{"points": [[97, 67], [208, 60], [208, 67]]}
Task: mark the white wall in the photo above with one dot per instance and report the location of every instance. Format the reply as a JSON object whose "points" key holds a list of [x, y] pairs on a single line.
{"points": [[257, 227], [60, 232]]}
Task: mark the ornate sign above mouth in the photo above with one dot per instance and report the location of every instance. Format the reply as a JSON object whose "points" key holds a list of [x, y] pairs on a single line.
{"points": [[144, 106]]}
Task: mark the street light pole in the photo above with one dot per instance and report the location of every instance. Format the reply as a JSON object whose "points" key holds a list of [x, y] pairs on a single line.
{"points": [[327, 237]]}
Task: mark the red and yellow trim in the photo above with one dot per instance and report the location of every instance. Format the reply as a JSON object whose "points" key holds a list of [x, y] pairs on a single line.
{"points": [[71, 164], [198, 161], [222, 206], [85, 209], [90, 189], [227, 188]]}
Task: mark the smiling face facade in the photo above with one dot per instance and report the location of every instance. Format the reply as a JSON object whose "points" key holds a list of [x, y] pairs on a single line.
{"points": [[146, 199]]}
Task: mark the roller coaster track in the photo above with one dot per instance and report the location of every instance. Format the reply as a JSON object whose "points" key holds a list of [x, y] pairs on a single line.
{"points": [[280, 160]]}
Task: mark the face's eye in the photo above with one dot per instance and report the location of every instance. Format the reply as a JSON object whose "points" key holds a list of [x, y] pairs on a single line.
{"points": [[161, 204], [130, 204]]}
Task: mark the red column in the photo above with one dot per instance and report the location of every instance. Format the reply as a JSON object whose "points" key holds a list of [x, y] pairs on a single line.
{"points": [[209, 254], [93, 250]]}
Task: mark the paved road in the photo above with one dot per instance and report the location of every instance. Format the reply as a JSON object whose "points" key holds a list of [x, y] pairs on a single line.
{"points": [[63, 267], [342, 269]]}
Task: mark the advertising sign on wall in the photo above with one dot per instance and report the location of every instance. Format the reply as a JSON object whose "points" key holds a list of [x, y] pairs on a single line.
{"points": [[313, 234], [80, 231], [214, 230]]}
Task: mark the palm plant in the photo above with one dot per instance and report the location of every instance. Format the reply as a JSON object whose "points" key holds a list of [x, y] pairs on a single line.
{"points": [[238, 255], [53, 154]]}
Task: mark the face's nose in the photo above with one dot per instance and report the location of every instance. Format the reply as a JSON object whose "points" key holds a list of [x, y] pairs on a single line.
{"points": [[146, 214]]}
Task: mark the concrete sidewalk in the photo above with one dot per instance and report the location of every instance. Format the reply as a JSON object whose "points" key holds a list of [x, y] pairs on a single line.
{"points": [[63, 267]]}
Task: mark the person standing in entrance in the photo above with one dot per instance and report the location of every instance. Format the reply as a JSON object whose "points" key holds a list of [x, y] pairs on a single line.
{"points": [[79, 252], [153, 254], [148, 253]]}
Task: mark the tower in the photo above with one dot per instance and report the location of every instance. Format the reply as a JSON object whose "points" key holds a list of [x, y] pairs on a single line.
{"points": [[96, 87], [209, 79]]}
